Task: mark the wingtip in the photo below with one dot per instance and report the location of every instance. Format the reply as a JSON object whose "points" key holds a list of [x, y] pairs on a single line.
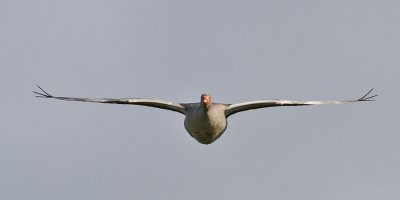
{"points": [[42, 95], [366, 97]]}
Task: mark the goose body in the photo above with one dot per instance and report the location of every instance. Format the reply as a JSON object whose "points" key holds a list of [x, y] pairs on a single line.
{"points": [[205, 121], [205, 125]]}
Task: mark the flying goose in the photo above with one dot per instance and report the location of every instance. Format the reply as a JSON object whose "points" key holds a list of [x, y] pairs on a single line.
{"points": [[205, 121]]}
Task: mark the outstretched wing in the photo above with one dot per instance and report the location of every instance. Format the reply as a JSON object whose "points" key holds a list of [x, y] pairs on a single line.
{"points": [[239, 107], [131, 101]]}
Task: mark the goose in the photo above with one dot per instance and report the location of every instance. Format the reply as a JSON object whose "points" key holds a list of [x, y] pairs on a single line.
{"points": [[205, 121]]}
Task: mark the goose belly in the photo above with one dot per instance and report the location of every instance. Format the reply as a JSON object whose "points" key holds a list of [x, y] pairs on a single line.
{"points": [[205, 129]]}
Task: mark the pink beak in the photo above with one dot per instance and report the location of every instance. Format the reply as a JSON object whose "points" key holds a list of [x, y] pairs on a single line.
{"points": [[206, 100]]}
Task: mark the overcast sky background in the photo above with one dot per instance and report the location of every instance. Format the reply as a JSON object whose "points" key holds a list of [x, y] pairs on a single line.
{"points": [[176, 50]]}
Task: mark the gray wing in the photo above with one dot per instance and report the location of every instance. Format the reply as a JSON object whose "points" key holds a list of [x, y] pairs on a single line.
{"points": [[131, 101], [239, 107]]}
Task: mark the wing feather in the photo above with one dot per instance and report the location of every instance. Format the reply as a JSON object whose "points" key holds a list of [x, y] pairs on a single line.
{"points": [[239, 107], [168, 105]]}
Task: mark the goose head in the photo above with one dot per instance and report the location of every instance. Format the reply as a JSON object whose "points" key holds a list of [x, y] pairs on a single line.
{"points": [[205, 101]]}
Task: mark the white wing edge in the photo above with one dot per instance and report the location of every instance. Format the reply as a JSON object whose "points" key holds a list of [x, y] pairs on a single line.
{"points": [[239, 107], [168, 105]]}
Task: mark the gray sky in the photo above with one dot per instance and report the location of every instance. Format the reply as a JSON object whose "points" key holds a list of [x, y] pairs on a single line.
{"points": [[176, 50]]}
